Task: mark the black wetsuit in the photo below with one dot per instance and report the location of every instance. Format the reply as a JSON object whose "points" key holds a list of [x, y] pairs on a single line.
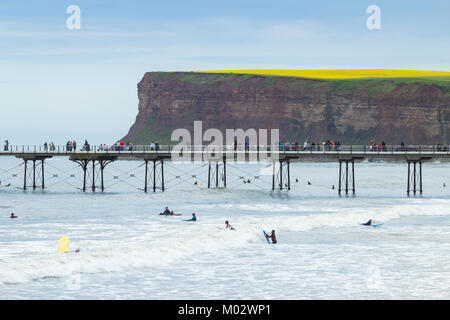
{"points": [[166, 211], [273, 238]]}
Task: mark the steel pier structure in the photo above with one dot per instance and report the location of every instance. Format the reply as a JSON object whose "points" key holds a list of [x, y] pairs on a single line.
{"points": [[94, 162]]}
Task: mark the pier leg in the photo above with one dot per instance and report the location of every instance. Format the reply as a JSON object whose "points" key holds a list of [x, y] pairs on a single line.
{"points": [[224, 174], [42, 174], [162, 175], [84, 166], [415, 175], [273, 175], [281, 175], [420, 176], [96, 174], [146, 176], [346, 177], [25, 175], [217, 174], [154, 175], [409, 177], [414, 182], [101, 176], [93, 175], [288, 176], [213, 174], [34, 174], [209, 175], [353, 177], [103, 164]]}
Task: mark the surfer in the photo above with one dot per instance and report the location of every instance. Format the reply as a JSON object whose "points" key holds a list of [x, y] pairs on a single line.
{"points": [[272, 237], [368, 223], [13, 216], [194, 218], [228, 226], [167, 211]]}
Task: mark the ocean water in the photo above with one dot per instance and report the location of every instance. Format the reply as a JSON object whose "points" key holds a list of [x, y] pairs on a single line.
{"points": [[128, 251]]}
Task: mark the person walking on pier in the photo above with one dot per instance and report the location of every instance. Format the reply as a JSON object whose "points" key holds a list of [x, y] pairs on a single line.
{"points": [[45, 146], [87, 146], [5, 145]]}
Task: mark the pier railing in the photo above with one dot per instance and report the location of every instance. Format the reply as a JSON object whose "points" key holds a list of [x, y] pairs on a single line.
{"points": [[357, 149]]}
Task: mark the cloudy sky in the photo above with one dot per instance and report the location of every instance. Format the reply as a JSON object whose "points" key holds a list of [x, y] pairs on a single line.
{"points": [[58, 84]]}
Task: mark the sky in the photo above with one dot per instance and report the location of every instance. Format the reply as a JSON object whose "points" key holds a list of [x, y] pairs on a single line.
{"points": [[59, 84]]}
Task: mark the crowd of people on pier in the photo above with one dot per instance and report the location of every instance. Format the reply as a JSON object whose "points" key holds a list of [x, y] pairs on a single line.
{"points": [[308, 145]]}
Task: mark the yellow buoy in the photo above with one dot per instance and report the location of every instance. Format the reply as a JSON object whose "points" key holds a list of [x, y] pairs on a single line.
{"points": [[63, 245]]}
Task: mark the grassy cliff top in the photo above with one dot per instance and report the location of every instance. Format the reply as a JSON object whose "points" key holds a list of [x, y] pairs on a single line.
{"points": [[338, 73], [372, 81]]}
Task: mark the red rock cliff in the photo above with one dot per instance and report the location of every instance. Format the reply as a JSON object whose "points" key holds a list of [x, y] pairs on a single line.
{"points": [[352, 111]]}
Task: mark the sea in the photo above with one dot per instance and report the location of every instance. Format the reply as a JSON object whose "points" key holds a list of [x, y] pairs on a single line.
{"points": [[128, 251]]}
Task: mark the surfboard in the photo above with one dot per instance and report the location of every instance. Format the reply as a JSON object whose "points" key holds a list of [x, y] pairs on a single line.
{"points": [[265, 236], [377, 224], [373, 224], [63, 245]]}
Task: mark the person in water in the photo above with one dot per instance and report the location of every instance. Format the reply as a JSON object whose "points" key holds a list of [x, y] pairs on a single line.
{"points": [[167, 211], [13, 216], [368, 223], [228, 226], [272, 237], [194, 218]]}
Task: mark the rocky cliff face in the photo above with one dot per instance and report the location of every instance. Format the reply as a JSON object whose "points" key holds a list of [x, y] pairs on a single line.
{"points": [[352, 111]]}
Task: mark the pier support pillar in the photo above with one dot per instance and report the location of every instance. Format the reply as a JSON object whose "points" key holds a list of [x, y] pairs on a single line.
{"points": [[93, 172], [414, 182], [34, 171], [33, 175], [281, 175], [155, 175], [214, 169], [346, 176]]}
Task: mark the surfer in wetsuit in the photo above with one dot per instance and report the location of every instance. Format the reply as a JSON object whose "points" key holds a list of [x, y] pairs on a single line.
{"points": [[368, 223], [194, 218], [166, 211], [228, 226], [13, 216], [272, 237]]}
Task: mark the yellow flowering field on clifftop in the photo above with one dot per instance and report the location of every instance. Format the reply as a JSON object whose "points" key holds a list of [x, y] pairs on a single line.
{"points": [[338, 73]]}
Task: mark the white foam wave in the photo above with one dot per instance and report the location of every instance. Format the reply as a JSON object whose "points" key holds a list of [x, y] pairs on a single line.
{"points": [[167, 245]]}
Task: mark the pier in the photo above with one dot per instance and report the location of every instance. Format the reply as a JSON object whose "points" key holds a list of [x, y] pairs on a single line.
{"points": [[94, 162]]}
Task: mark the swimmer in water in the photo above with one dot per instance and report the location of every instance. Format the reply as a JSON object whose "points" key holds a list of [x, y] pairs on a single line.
{"points": [[228, 226], [13, 216], [194, 218]]}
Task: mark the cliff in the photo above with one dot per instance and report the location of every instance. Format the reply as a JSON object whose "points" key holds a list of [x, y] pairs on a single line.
{"points": [[413, 110]]}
